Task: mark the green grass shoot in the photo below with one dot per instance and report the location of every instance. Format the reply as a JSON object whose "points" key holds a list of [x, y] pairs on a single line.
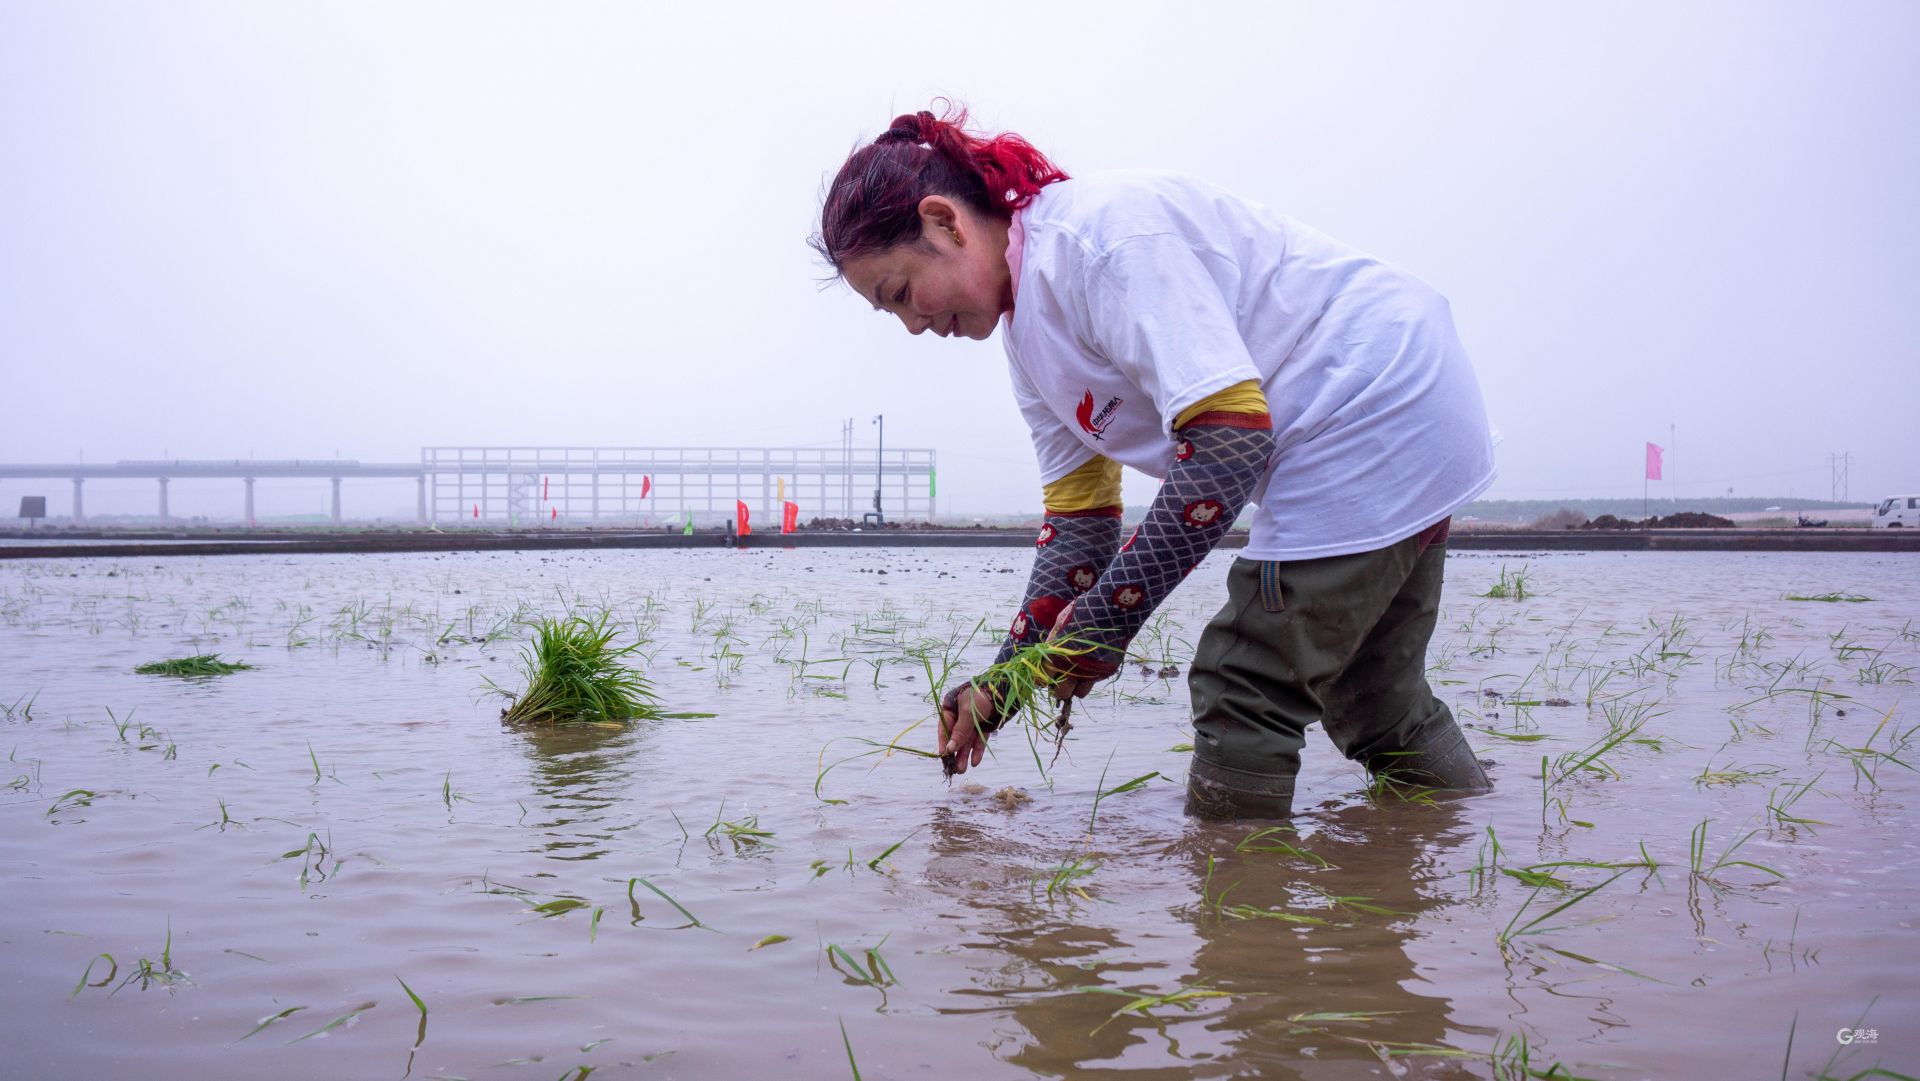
{"points": [[335, 1023], [852, 1065], [205, 664], [271, 1019], [1186, 998], [874, 972], [1268, 840], [692, 920], [1509, 587]]}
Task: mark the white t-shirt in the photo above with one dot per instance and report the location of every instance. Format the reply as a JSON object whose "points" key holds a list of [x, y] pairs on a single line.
{"points": [[1138, 294]]}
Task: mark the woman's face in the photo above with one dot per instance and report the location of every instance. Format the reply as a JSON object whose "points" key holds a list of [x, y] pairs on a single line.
{"points": [[953, 282]]}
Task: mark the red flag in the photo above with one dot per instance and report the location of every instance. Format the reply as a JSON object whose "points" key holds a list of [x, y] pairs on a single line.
{"points": [[476, 510], [646, 485], [741, 518], [544, 481], [1654, 451], [556, 515], [789, 516]]}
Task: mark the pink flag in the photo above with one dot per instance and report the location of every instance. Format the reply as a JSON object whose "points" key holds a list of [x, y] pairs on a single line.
{"points": [[1654, 451], [646, 485]]}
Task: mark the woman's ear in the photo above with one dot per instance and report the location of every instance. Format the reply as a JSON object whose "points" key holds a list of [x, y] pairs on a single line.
{"points": [[940, 217]]}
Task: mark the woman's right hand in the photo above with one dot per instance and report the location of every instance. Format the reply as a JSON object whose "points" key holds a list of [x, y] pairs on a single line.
{"points": [[961, 740]]}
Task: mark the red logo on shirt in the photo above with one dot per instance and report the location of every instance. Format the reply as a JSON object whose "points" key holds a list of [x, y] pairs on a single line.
{"points": [[1019, 628], [1129, 596], [1182, 450], [1095, 423], [1046, 535], [1082, 578]]}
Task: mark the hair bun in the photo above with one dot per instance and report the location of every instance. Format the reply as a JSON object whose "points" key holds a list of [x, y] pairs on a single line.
{"points": [[917, 128]]}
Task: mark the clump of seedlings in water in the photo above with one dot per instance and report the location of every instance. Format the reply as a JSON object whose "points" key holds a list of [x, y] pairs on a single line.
{"points": [[576, 675], [205, 664], [1510, 587]]}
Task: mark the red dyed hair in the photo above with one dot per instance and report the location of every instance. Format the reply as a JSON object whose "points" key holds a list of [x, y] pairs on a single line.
{"points": [[874, 201]]}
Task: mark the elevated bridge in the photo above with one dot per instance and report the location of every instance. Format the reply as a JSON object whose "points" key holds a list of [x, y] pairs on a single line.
{"points": [[489, 486]]}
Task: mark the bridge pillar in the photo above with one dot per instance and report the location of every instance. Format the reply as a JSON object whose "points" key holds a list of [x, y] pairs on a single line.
{"points": [[249, 515], [336, 499], [420, 497], [79, 499], [164, 516]]}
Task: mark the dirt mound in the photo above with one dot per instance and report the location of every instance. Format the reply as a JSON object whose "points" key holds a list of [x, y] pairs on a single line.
{"points": [[1685, 519]]}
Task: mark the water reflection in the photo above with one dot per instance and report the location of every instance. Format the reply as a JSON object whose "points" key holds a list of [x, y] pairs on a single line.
{"points": [[580, 773], [1175, 927]]}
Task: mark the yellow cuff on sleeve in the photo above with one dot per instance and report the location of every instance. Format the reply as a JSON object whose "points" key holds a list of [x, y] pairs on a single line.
{"points": [[1242, 397], [1093, 486]]}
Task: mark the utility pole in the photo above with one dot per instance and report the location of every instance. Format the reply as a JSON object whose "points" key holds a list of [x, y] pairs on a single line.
{"points": [[879, 470], [846, 468], [1837, 475]]}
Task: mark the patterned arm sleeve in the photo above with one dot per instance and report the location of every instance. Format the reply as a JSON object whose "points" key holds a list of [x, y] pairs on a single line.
{"points": [[1077, 540], [1219, 456]]}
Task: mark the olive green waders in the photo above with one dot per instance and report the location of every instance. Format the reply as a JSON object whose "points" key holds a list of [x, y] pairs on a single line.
{"points": [[1342, 641]]}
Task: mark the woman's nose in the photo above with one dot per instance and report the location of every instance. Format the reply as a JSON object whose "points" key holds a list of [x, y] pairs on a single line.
{"points": [[915, 324]]}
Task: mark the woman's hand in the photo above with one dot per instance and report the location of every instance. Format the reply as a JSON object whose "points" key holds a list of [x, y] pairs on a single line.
{"points": [[962, 740], [960, 734]]}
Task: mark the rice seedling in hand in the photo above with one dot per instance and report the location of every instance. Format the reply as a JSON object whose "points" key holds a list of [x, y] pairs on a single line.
{"points": [[576, 675], [204, 664], [1020, 683]]}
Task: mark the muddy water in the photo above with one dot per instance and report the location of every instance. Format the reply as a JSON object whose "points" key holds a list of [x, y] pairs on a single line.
{"points": [[351, 814]]}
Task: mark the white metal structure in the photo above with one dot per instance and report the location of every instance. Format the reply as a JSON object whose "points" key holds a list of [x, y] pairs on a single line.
{"points": [[491, 486], [1897, 512]]}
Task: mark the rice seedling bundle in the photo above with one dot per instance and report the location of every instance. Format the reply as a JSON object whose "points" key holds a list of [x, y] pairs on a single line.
{"points": [[576, 675]]}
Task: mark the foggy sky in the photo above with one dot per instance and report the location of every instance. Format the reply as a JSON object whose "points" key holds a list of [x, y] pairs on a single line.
{"points": [[285, 230]]}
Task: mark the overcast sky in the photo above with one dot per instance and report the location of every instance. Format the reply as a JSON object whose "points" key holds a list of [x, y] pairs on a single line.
{"points": [[290, 229]]}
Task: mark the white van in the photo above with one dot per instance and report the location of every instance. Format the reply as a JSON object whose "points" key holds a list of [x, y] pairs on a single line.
{"points": [[1897, 512]]}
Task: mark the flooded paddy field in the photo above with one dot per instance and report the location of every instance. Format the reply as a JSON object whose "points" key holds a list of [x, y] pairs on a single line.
{"points": [[1699, 859]]}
